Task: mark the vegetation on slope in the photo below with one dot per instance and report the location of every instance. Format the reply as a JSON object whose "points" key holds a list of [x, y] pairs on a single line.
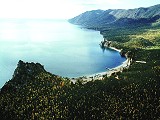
{"points": [[33, 93], [134, 95], [133, 37], [98, 19]]}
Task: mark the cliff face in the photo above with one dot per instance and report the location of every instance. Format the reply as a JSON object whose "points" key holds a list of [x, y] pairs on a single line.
{"points": [[105, 43]]}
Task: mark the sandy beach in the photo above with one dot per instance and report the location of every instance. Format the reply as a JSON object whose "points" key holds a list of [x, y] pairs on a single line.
{"points": [[109, 72], [113, 48]]}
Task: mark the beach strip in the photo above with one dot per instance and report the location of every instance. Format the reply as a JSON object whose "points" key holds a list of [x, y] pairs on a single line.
{"points": [[109, 72]]}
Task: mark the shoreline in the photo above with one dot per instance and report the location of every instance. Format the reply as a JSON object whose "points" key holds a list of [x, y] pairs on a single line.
{"points": [[113, 48], [100, 75]]}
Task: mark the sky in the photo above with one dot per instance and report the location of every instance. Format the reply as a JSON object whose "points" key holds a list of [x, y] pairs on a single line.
{"points": [[64, 9]]}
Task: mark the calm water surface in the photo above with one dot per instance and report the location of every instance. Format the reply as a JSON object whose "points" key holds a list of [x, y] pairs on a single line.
{"points": [[64, 49]]}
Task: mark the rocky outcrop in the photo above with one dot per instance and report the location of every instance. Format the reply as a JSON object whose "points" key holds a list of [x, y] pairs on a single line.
{"points": [[124, 53], [23, 74], [28, 69], [105, 43]]}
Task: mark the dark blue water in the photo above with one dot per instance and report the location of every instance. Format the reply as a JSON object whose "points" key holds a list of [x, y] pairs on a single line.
{"points": [[64, 49]]}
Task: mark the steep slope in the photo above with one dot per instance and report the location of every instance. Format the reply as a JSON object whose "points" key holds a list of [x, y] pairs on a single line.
{"points": [[31, 93], [118, 17], [90, 18]]}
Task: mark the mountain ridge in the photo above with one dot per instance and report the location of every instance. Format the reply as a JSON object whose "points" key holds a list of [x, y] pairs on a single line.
{"points": [[118, 17]]}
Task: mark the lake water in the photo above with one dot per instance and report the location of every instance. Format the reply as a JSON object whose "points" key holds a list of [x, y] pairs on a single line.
{"points": [[64, 49]]}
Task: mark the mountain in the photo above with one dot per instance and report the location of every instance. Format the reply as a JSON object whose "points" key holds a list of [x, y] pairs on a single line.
{"points": [[118, 17]]}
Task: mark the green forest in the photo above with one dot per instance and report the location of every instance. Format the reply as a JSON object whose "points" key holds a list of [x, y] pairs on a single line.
{"points": [[35, 94], [134, 95]]}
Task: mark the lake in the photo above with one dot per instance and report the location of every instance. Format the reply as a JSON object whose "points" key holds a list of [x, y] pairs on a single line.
{"points": [[63, 48]]}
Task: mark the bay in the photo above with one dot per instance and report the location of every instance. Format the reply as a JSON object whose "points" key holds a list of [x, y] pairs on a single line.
{"points": [[63, 48]]}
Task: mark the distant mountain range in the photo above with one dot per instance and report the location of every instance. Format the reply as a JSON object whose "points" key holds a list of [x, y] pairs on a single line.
{"points": [[119, 17]]}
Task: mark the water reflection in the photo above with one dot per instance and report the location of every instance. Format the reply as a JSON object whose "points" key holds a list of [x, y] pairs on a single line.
{"points": [[63, 48]]}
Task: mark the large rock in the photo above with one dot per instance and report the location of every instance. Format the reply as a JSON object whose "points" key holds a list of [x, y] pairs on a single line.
{"points": [[105, 43], [28, 69]]}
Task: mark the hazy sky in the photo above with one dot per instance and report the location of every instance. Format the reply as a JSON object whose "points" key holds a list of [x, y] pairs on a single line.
{"points": [[63, 8]]}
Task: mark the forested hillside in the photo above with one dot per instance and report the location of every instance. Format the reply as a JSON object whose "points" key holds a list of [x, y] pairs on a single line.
{"points": [[41, 95], [33, 93], [134, 93], [98, 19]]}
